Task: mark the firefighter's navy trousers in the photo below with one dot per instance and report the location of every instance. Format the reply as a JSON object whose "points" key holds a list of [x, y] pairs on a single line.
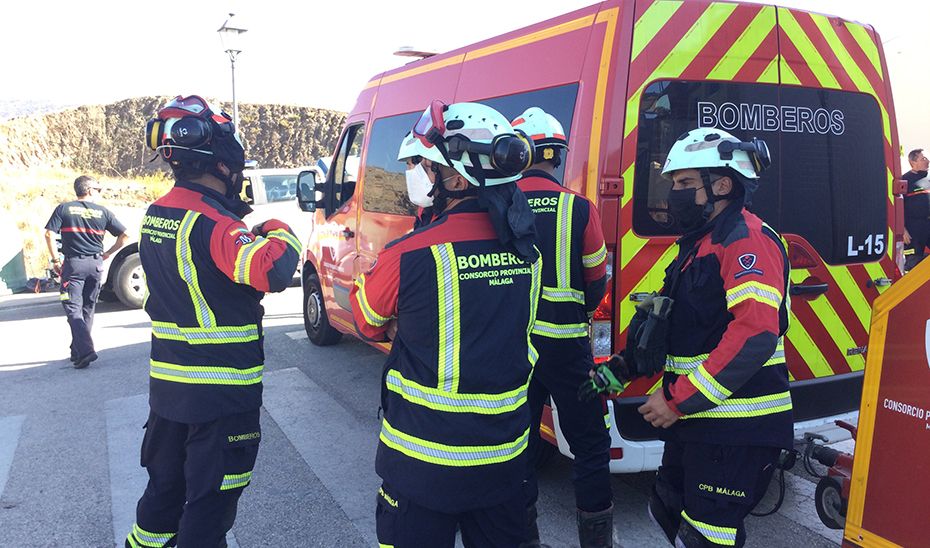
{"points": [[562, 367], [708, 489], [196, 474], [80, 288]]}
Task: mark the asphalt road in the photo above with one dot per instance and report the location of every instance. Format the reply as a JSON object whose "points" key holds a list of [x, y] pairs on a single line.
{"points": [[69, 443]]}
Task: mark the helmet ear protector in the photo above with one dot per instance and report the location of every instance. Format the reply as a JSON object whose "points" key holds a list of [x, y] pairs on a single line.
{"points": [[186, 122], [757, 149], [509, 153]]}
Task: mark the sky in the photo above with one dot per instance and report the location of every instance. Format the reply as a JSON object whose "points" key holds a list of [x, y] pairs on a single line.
{"points": [[320, 54]]}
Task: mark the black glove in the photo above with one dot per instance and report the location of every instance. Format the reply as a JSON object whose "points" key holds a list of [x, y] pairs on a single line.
{"points": [[259, 229], [651, 348], [611, 376]]}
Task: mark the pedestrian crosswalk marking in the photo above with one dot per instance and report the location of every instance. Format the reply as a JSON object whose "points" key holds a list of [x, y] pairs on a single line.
{"points": [[125, 417], [10, 429], [337, 447]]}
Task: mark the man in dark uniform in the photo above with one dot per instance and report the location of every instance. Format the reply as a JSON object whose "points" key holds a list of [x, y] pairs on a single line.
{"points": [[82, 224], [724, 405], [917, 207], [574, 279], [206, 275], [459, 297]]}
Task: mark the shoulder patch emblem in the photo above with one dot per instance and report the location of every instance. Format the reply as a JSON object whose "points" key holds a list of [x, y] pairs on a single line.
{"points": [[243, 239], [747, 261]]}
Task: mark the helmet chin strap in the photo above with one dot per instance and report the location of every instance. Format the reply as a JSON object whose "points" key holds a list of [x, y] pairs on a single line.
{"points": [[711, 197]]}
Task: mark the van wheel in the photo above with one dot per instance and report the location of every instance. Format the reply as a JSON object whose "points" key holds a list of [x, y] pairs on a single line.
{"points": [[828, 499], [316, 322], [130, 282]]}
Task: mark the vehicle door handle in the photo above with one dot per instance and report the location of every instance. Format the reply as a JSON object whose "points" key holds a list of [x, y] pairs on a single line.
{"points": [[347, 232], [811, 290]]}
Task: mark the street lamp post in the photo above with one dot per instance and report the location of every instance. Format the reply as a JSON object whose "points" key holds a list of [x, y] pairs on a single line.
{"points": [[231, 38]]}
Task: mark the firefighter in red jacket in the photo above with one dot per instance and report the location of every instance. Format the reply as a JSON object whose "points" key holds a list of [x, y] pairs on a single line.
{"points": [[459, 298], [724, 406], [574, 279], [206, 275]]}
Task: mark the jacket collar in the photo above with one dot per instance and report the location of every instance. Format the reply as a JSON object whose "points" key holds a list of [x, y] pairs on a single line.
{"points": [[542, 174], [235, 205]]}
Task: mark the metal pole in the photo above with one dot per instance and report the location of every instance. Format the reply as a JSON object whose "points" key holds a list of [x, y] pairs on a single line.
{"points": [[232, 64]]}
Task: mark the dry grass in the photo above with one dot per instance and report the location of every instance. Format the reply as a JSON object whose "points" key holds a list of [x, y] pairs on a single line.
{"points": [[30, 196]]}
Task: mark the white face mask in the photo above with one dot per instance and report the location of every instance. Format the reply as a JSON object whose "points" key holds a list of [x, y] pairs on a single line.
{"points": [[419, 186]]}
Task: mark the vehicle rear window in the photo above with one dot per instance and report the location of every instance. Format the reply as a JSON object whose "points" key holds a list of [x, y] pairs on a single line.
{"points": [[827, 182], [280, 188]]}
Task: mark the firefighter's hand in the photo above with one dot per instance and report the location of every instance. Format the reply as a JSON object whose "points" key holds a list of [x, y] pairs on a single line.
{"points": [[657, 412], [56, 266], [907, 237], [391, 330], [609, 377], [259, 229]]}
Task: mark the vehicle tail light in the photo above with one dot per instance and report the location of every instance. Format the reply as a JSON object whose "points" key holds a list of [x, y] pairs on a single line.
{"points": [[602, 321], [799, 257]]}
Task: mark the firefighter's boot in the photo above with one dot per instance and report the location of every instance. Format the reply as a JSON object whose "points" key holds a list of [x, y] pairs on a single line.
{"points": [[532, 530], [596, 529]]}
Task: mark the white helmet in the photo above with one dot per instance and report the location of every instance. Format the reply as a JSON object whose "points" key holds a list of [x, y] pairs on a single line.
{"points": [[543, 128], [474, 139], [708, 147]]}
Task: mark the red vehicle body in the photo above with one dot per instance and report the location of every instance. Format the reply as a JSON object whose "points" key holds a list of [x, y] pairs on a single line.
{"points": [[626, 78]]}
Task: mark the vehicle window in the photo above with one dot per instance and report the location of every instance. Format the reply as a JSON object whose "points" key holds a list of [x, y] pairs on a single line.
{"points": [[280, 188], [557, 101], [247, 195], [345, 168], [385, 183], [827, 181]]}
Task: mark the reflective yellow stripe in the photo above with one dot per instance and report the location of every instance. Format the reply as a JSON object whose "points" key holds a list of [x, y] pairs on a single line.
{"points": [[594, 259], [562, 295], [235, 481], [563, 240], [188, 271], [148, 539], [205, 335], [560, 331], [865, 41], [812, 58], [451, 455], [756, 291], [535, 283], [372, 317], [64, 297], [708, 385], [205, 374], [242, 273], [748, 42], [716, 534], [735, 408], [441, 400], [283, 234], [650, 23], [685, 365], [447, 278]]}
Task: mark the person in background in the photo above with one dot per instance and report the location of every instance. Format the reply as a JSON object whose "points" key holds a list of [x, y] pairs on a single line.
{"points": [[917, 207], [82, 225], [574, 280]]}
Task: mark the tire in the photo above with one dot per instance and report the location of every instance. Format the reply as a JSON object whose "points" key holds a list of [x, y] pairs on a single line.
{"points": [[129, 285], [316, 321], [831, 507]]}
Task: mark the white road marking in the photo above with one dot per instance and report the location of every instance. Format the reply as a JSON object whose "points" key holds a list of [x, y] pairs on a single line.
{"points": [[339, 450], [297, 335], [10, 429], [125, 417]]}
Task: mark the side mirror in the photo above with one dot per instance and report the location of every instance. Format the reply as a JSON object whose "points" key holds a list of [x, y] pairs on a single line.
{"points": [[307, 190]]}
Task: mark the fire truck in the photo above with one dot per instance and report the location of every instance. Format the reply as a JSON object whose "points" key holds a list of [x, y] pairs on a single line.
{"points": [[626, 78]]}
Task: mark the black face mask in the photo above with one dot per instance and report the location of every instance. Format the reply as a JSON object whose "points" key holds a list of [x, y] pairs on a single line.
{"points": [[686, 214]]}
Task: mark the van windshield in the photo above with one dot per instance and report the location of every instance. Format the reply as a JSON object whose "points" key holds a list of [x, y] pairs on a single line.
{"points": [[827, 183]]}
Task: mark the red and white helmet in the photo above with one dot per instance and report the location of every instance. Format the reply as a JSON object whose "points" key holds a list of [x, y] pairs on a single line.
{"points": [[542, 127]]}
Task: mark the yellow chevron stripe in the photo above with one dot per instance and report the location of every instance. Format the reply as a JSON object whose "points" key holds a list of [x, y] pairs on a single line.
{"points": [[600, 97], [839, 335], [628, 176], [770, 74], [651, 281], [851, 67], [650, 23], [862, 36], [853, 293], [787, 75], [812, 58], [890, 185], [690, 45], [808, 350], [748, 42]]}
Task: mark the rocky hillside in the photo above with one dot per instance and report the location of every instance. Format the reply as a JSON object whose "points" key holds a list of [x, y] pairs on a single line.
{"points": [[107, 139]]}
